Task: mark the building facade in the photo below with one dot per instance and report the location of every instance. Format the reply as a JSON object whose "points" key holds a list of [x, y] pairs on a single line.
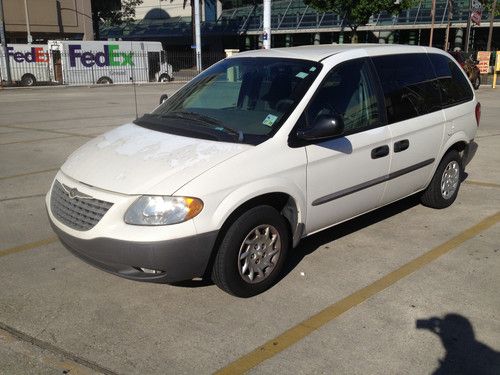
{"points": [[48, 19]]}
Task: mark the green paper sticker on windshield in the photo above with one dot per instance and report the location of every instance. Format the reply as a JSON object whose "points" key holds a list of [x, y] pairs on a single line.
{"points": [[301, 75], [269, 120]]}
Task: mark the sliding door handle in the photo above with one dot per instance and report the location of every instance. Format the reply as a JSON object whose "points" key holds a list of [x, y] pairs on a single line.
{"points": [[401, 145], [380, 152]]}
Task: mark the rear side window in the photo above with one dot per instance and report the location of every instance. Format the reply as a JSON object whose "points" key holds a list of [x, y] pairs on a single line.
{"points": [[409, 85], [452, 82]]}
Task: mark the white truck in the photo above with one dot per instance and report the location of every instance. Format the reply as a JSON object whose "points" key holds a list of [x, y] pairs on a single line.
{"points": [[29, 64], [106, 62]]}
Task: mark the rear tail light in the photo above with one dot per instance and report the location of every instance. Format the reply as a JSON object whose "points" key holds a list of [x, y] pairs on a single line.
{"points": [[478, 113]]}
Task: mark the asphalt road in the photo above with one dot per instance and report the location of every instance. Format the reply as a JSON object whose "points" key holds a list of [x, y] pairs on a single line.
{"points": [[402, 290]]}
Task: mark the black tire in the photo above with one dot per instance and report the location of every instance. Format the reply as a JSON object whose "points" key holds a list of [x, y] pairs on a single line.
{"points": [[28, 80], [433, 196], [163, 98], [164, 78], [226, 269], [476, 82], [104, 81]]}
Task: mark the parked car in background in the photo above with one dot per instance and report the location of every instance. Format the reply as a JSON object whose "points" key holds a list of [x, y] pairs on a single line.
{"points": [[262, 149], [469, 65]]}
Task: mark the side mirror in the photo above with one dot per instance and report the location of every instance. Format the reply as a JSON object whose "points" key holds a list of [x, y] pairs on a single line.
{"points": [[325, 126]]}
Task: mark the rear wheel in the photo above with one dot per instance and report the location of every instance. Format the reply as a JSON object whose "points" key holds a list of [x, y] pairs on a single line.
{"points": [[104, 81], [164, 78], [28, 80], [444, 186], [252, 252]]}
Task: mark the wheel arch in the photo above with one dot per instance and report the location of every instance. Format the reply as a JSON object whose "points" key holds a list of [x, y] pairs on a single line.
{"points": [[284, 202]]}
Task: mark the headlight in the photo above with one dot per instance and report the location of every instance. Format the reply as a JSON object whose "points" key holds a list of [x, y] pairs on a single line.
{"points": [[159, 210]]}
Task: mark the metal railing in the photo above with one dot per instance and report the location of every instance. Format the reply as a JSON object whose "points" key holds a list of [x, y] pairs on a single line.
{"points": [[93, 67]]}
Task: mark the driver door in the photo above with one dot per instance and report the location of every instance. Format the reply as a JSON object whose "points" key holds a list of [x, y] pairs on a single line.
{"points": [[346, 175]]}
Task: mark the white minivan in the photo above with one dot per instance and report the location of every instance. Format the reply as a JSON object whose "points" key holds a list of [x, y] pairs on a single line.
{"points": [[261, 150]]}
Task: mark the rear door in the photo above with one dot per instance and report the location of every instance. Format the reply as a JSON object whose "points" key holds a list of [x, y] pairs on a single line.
{"points": [[345, 175], [416, 121]]}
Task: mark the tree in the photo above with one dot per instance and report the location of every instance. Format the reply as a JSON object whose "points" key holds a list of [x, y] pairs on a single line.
{"points": [[357, 12], [113, 12]]}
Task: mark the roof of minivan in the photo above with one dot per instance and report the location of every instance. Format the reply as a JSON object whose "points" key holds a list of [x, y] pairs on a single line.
{"points": [[322, 51]]}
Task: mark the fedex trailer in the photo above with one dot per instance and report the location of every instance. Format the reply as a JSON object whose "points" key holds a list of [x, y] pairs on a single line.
{"points": [[29, 64], [105, 62]]}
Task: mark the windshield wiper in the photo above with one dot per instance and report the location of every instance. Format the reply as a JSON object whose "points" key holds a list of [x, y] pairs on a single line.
{"points": [[205, 120]]}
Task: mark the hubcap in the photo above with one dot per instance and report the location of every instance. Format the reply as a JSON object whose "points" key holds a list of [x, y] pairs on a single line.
{"points": [[259, 253], [450, 179]]}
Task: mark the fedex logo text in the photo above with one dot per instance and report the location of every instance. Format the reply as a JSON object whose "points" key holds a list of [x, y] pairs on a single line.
{"points": [[109, 57], [36, 55]]}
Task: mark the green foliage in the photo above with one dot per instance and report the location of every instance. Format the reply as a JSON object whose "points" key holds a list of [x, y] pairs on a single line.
{"points": [[358, 12], [113, 12], [488, 5]]}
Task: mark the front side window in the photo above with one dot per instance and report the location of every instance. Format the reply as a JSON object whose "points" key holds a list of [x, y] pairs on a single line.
{"points": [[347, 91], [236, 100], [409, 85]]}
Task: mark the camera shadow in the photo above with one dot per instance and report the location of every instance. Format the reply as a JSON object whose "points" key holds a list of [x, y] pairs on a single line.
{"points": [[464, 354]]}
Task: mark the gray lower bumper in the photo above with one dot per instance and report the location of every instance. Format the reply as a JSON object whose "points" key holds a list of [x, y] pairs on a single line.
{"points": [[178, 260]]}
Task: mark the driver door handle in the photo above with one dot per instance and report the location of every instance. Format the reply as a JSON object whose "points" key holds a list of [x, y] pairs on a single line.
{"points": [[380, 152]]}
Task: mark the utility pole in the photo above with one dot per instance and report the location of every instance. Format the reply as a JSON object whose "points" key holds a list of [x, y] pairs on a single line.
{"points": [[197, 33], [448, 25], [266, 35], [490, 33], [433, 14], [4, 45], [29, 38], [469, 25]]}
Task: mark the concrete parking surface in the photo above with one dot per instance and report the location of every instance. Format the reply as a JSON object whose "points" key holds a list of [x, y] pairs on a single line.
{"points": [[402, 290]]}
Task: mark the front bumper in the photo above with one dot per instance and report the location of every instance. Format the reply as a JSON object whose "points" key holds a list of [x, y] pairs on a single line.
{"points": [[174, 260]]}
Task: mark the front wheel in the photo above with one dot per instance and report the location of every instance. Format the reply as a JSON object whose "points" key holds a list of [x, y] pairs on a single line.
{"points": [[104, 81], [444, 186], [28, 80], [252, 252]]}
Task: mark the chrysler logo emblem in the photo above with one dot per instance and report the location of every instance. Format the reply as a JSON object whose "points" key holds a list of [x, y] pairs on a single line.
{"points": [[74, 193]]}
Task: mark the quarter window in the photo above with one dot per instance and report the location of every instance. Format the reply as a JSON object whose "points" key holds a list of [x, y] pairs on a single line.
{"points": [[409, 85], [347, 91], [452, 82]]}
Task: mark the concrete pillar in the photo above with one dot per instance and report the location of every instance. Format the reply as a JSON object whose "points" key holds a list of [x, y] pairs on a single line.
{"points": [[412, 39], [459, 40], [288, 40], [248, 43], [317, 39], [341, 37]]}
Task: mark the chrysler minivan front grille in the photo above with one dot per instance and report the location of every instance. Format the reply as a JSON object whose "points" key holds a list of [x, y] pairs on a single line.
{"points": [[75, 209]]}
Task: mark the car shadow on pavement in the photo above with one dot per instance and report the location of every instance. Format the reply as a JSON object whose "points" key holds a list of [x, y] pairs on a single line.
{"points": [[464, 354], [310, 244]]}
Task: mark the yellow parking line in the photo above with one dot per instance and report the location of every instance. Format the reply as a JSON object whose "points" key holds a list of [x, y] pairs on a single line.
{"points": [[28, 246], [305, 328], [482, 183], [29, 173]]}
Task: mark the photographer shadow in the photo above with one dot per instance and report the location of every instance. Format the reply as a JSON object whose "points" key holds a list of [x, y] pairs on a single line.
{"points": [[464, 354]]}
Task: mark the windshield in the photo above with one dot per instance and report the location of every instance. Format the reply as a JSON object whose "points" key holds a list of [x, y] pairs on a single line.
{"points": [[236, 100]]}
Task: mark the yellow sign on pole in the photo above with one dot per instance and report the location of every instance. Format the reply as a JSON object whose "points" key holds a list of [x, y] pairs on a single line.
{"points": [[496, 69]]}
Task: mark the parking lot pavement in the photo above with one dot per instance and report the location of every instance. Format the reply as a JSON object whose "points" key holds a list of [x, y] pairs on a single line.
{"points": [[357, 298]]}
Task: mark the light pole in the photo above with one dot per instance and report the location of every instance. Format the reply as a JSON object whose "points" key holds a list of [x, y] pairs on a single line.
{"points": [[266, 35], [197, 32], [433, 14], [30, 38], [490, 32], [4, 45]]}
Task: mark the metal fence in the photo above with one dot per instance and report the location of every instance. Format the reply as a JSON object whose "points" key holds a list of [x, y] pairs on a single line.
{"points": [[95, 67]]}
